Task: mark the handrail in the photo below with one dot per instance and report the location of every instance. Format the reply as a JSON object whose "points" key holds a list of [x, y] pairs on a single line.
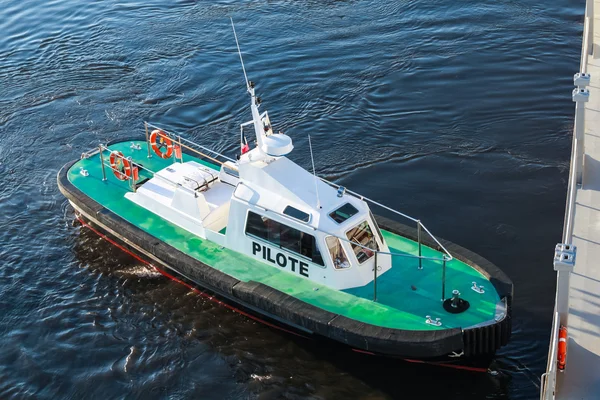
{"points": [[572, 190], [588, 32], [548, 379], [173, 134], [361, 197], [448, 256], [444, 257], [154, 174], [585, 50]]}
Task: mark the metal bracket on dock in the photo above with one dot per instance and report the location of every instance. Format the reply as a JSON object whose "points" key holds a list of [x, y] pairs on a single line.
{"points": [[581, 95], [581, 80], [564, 257]]}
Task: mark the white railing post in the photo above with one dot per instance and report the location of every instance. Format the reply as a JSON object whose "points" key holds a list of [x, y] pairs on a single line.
{"points": [[589, 15]]}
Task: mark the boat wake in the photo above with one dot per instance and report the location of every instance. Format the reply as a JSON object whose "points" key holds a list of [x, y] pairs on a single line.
{"points": [[139, 271]]}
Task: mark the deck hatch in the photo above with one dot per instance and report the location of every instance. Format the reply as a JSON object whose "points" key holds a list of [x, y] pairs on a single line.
{"points": [[343, 213]]}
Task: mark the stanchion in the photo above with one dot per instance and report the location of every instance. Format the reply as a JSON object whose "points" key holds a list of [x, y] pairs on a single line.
{"points": [[443, 277], [375, 278], [147, 139], [102, 162], [419, 238]]}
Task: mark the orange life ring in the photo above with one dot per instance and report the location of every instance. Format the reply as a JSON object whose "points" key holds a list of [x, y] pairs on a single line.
{"points": [[120, 165], [158, 140], [562, 347]]}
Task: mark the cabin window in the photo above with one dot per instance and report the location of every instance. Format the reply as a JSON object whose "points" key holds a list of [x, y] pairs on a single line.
{"points": [[363, 235], [377, 230], [297, 214], [343, 213], [283, 236], [337, 253]]}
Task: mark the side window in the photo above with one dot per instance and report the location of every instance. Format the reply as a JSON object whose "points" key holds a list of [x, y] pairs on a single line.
{"points": [[283, 236], [257, 226], [309, 248], [336, 251], [295, 213]]}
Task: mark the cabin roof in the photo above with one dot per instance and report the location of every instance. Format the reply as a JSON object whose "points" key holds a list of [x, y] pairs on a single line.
{"points": [[280, 183]]}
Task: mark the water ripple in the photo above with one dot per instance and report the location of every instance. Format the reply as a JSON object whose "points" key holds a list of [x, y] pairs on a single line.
{"points": [[456, 112]]}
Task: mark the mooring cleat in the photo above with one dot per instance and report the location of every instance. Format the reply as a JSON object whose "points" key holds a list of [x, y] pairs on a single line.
{"points": [[135, 146], [83, 172], [478, 289], [429, 321]]}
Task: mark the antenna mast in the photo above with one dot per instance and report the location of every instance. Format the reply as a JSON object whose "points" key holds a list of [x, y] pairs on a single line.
{"points": [[240, 53], [314, 173]]}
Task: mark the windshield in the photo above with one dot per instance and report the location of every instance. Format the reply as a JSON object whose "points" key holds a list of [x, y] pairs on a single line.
{"points": [[363, 235]]}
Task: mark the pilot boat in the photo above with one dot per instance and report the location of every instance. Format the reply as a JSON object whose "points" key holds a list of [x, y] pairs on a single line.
{"points": [[266, 237]]}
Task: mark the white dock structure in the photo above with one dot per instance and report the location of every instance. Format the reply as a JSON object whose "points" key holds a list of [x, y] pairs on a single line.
{"points": [[577, 259]]}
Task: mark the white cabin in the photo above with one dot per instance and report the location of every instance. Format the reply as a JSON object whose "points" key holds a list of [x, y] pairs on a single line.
{"points": [[267, 207]]}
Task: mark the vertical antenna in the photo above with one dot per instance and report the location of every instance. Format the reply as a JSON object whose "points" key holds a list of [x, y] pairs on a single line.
{"points": [[314, 173], [240, 53]]}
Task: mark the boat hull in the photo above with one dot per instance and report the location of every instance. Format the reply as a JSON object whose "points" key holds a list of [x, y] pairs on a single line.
{"points": [[277, 309]]}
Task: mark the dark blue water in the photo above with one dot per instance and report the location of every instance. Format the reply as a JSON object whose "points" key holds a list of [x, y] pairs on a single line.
{"points": [[457, 112]]}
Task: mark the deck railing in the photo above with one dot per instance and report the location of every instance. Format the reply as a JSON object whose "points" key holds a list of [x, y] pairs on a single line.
{"points": [[443, 260], [186, 144], [548, 379], [419, 225], [132, 183], [193, 147], [180, 141]]}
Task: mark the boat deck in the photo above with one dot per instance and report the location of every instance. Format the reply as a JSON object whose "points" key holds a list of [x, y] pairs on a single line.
{"points": [[581, 379], [406, 295]]}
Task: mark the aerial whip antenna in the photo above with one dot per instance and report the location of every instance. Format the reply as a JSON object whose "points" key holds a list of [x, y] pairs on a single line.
{"points": [[240, 53], [314, 173]]}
